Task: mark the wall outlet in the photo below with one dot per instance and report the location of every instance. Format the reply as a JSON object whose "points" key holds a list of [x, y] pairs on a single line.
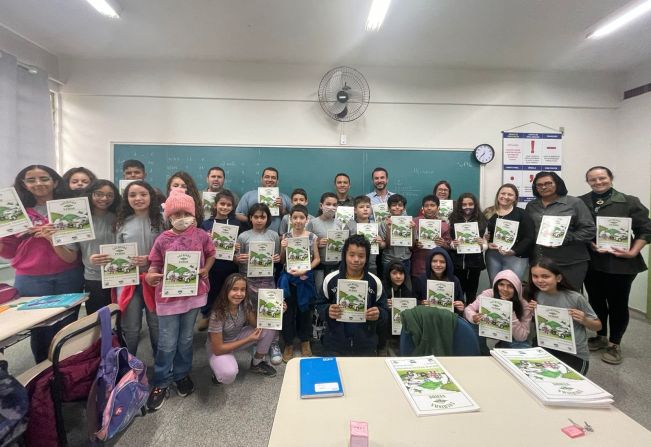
{"points": [[343, 139]]}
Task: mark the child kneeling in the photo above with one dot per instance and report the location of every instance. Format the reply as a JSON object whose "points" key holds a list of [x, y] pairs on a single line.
{"points": [[232, 327]]}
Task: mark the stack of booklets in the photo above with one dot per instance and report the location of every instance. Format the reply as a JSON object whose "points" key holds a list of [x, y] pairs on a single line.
{"points": [[550, 380], [429, 387]]}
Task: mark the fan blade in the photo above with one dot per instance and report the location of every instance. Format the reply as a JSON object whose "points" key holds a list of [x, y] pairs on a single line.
{"points": [[334, 85], [336, 107], [343, 113]]}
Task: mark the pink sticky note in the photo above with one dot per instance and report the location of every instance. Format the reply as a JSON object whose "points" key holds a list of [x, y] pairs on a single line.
{"points": [[358, 434], [572, 431]]}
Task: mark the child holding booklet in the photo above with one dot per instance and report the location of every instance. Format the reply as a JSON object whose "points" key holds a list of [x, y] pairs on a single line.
{"points": [[104, 199], [430, 210], [392, 253], [396, 288], [324, 222], [40, 268], [233, 328], [548, 286], [363, 213], [468, 267], [298, 287], [260, 218], [439, 268], [177, 315], [139, 220], [506, 286], [352, 339], [222, 212]]}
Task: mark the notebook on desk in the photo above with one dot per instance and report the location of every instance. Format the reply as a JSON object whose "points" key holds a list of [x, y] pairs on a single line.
{"points": [[319, 377]]}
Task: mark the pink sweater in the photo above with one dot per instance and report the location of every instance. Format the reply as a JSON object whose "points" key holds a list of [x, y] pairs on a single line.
{"points": [[34, 255], [521, 326], [192, 239]]}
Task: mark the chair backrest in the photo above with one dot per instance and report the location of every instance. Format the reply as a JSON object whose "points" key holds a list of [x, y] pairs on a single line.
{"points": [[86, 331], [465, 342]]}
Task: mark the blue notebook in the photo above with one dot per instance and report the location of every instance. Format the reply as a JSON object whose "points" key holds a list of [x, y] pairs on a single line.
{"points": [[50, 301], [319, 377]]}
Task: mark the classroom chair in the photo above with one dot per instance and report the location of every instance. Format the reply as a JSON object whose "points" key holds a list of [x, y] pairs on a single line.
{"points": [[77, 341]]}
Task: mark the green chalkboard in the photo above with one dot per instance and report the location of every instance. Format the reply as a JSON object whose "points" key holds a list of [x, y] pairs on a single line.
{"points": [[412, 173]]}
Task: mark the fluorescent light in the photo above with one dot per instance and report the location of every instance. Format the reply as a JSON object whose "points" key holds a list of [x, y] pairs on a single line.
{"points": [[109, 8], [620, 18], [377, 14]]}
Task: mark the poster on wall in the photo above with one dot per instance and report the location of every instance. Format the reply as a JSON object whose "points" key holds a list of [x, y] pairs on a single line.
{"points": [[526, 154]]}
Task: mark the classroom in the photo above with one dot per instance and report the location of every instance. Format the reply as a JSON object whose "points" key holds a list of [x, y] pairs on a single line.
{"points": [[184, 86]]}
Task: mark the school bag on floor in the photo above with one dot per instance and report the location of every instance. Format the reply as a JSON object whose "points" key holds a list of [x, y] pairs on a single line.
{"points": [[120, 390], [14, 404]]}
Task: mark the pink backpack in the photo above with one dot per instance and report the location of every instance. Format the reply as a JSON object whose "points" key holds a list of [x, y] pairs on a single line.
{"points": [[8, 293]]}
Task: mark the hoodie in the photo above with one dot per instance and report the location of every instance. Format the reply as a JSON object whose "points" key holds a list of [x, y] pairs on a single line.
{"points": [[351, 338], [520, 326], [420, 285]]}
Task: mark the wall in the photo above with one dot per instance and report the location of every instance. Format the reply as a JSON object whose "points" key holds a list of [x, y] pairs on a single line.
{"points": [[237, 103], [28, 52]]}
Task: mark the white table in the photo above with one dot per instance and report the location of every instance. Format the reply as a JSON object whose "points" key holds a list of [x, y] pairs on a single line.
{"points": [[13, 321], [509, 415]]}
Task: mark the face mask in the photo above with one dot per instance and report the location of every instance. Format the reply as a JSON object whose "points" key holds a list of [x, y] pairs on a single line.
{"points": [[329, 211], [468, 211], [183, 223]]}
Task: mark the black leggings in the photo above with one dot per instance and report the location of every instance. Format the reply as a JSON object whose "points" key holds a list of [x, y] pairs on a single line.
{"points": [[97, 297], [608, 294], [469, 279], [295, 321]]}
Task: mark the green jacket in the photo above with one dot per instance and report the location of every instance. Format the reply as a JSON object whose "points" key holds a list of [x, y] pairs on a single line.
{"points": [[431, 329], [620, 205]]}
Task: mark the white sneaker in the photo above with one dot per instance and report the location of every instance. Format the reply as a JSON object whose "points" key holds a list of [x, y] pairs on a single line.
{"points": [[275, 355]]}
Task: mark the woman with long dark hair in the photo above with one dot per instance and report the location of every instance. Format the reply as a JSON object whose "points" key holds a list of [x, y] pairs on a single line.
{"points": [[41, 269]]}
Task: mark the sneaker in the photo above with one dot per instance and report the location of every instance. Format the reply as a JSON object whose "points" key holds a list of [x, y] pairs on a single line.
{"points": [[612, 355], [202, 324], [184, 386], [214, 380], [288, 353], [274, 354], [306, 350], [157, 398], [597, 343], [263, 368]]}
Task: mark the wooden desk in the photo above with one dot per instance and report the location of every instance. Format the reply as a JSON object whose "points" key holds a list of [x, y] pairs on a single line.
{"points": [[14, 321], [509, 415]]}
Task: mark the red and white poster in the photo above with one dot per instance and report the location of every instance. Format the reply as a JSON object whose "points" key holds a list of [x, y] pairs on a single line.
{"points": [[526, 154]]}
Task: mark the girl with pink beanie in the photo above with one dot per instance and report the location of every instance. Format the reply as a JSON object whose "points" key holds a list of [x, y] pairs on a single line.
{"points": [[177, 315]]}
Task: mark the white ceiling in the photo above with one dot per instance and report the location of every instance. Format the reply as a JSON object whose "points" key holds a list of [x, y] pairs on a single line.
{"points": [[513, 34]]}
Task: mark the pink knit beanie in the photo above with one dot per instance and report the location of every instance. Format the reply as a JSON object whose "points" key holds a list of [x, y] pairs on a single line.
{"points": [[178, 201]]}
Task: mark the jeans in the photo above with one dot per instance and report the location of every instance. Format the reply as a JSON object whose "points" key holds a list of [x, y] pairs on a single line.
{"points": [[97, 297], [68, 281], [132, 323], [174, 354], [295, 321], [496, 262]]}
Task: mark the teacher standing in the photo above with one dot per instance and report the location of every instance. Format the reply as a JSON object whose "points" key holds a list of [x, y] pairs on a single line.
{"points": [[611, 272], [552, 200]]}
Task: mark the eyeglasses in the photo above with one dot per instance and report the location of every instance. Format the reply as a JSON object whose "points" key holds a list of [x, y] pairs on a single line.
{"points": [[544, 185], [101, 195], [35, 180]]}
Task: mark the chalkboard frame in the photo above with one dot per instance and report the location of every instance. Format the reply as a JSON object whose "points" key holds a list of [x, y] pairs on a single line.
{"points": [[412, 171]]}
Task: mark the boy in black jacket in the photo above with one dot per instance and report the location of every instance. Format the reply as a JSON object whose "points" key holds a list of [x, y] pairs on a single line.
{"points": [[352, 339]]}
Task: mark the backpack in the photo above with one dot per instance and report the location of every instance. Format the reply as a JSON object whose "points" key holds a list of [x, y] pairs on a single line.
{"points": [[120, 389], [8, 293], [14, 405]]}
